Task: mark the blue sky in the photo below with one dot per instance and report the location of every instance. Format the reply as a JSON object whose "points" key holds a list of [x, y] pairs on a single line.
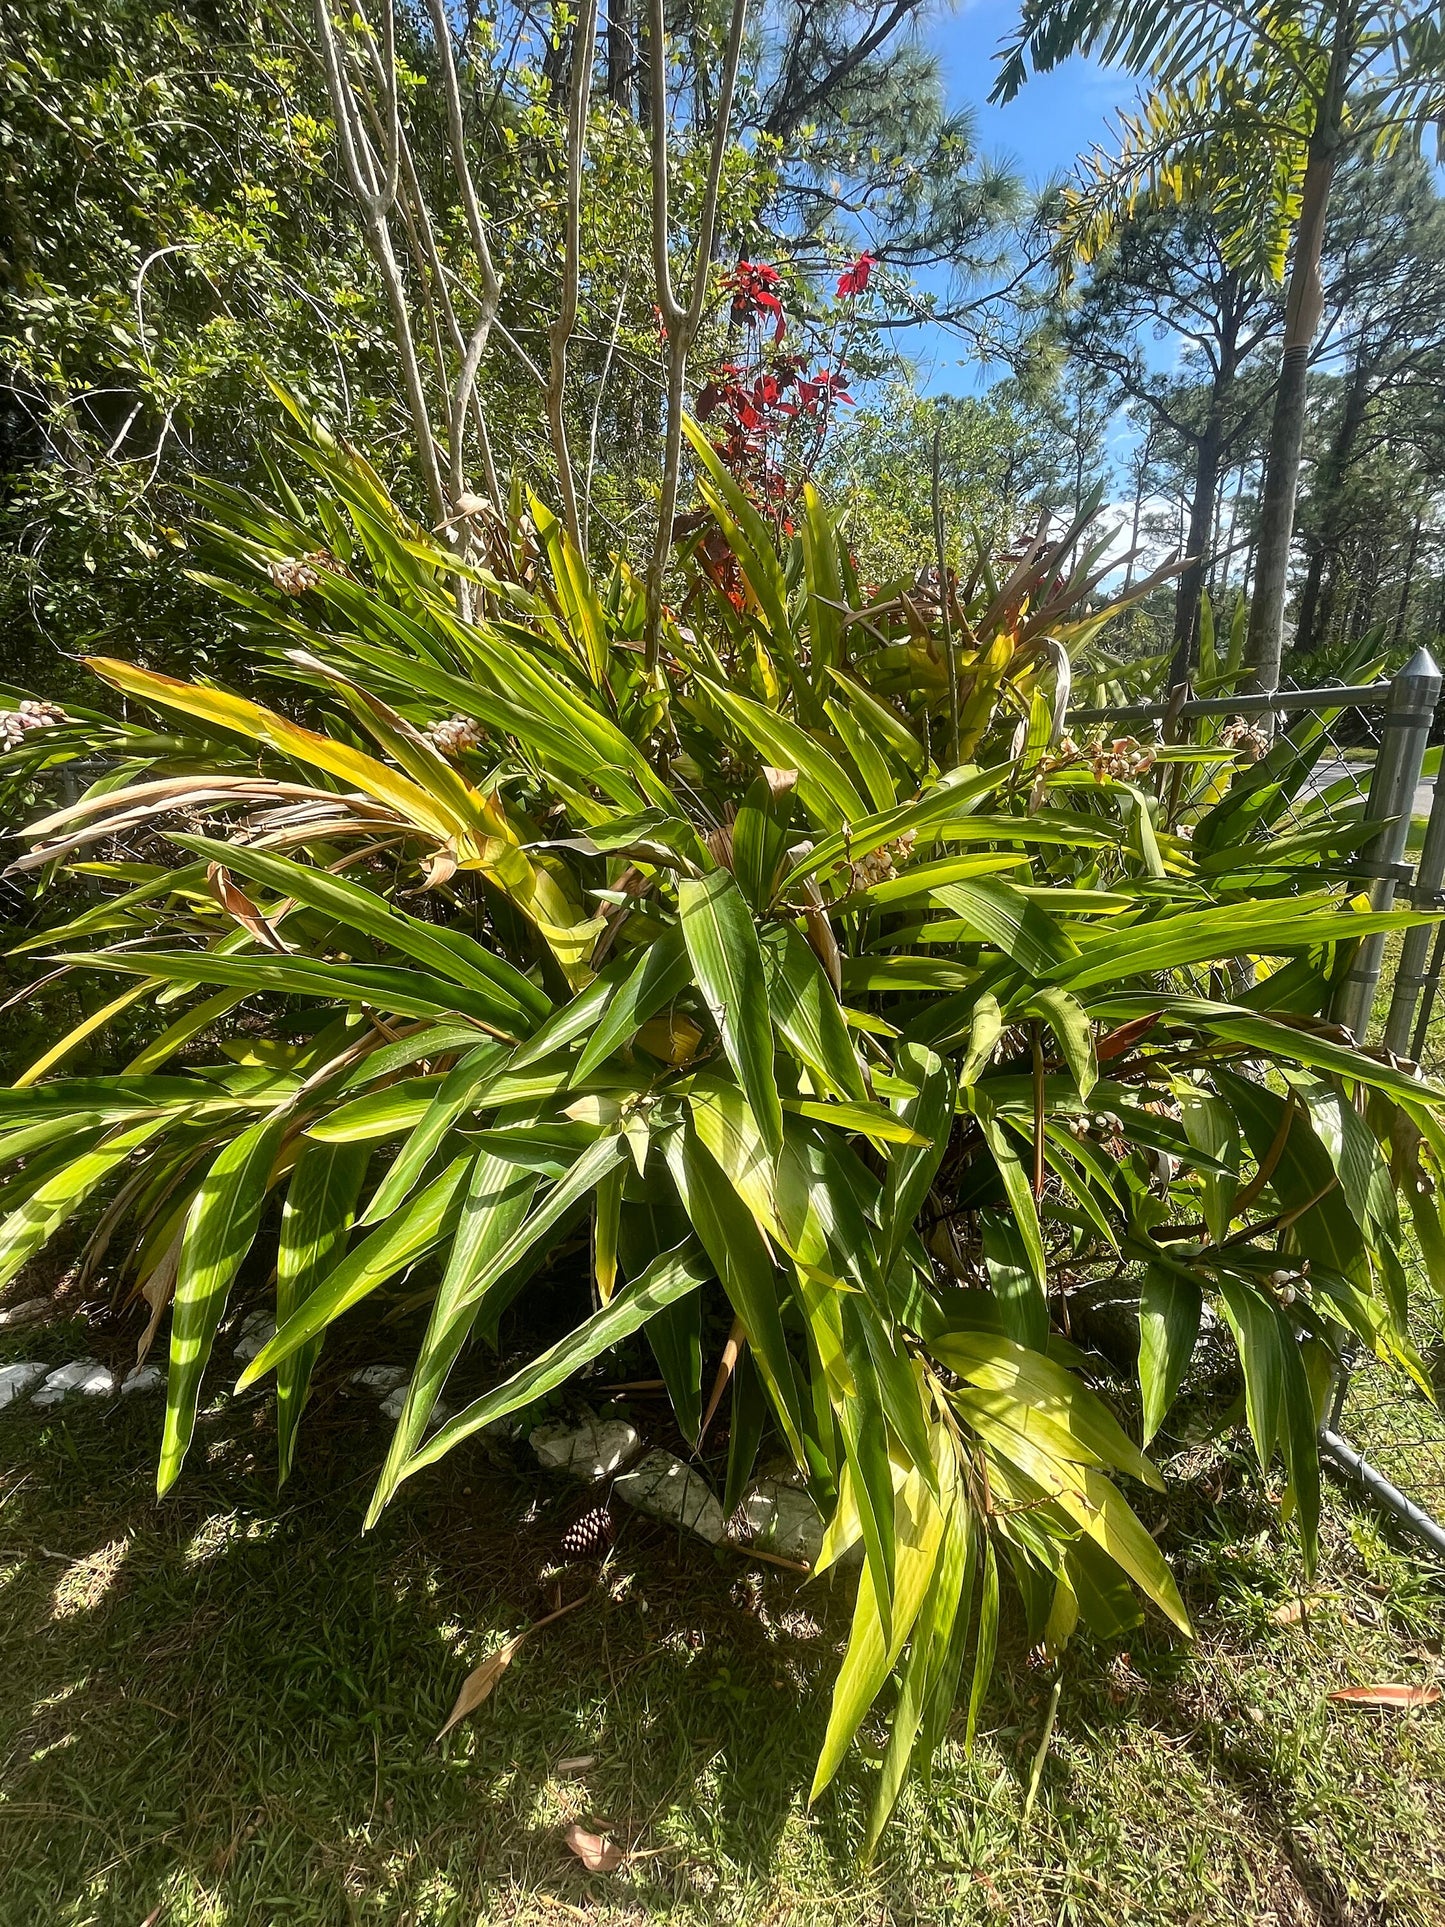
{"points": [[1055, 117]]}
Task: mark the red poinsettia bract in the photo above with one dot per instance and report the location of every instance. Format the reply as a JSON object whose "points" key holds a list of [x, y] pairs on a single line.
{"points": [[854, 280]]}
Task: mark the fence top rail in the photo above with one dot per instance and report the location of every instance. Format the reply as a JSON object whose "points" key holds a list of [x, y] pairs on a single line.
{"points": [[1369, 695]]}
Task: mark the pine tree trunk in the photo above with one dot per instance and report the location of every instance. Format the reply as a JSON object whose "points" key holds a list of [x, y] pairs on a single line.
{"points": [[1411, 555], [621, 56], [1307, 635], [1264, 643], [1208, 483], [1198, 544], [1316, 602]]}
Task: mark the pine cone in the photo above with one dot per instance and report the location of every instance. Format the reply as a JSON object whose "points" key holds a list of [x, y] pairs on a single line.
{"points": [[589, 1535]]}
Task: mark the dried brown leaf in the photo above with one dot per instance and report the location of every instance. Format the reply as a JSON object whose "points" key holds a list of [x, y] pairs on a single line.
{"points": [[1294, 1610], [157, 1291], [1116, 1042], [237, 904], [479, 1683], [1388, 1694], [597, 1854], [737, 1338]]}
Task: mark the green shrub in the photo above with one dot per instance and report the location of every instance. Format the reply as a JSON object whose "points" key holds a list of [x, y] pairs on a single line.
{"points": [[884, 1058]]}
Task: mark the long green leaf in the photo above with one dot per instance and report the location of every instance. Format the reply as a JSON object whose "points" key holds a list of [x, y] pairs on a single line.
{"points": [[1169, 1312], [655, 980], [405, 993], [448, 953], [315, 1225], [499, 1197], [912, 1168], [33, 1221], [807, 1014], [420, 1225], [463, 1089], [671, 1276], [751, 1280], [721, 940], [219, 1229]]}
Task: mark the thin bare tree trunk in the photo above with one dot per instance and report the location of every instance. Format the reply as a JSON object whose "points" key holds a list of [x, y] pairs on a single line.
{"points": [[681, 323], [464, 386], [560, 332], [621, 56], [373, 182], [1314, 612]]}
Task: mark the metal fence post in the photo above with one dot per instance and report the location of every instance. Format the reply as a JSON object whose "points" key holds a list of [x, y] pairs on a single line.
{"points": [[1413, 696], [1412, 975]]}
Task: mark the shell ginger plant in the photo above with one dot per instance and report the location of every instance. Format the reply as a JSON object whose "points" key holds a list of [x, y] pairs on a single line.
{"points": [[881, 1061]]}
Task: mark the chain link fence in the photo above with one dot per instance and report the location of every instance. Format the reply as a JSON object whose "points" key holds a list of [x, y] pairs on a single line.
{"points": [[1373, 763]]}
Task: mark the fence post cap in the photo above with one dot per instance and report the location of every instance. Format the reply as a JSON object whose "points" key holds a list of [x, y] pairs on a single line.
{"points": [[1422, 667]]}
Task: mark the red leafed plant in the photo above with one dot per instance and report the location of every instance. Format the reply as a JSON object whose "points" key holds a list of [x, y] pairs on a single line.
{"points": [[768, 416], [854, 279], [754, 289]]}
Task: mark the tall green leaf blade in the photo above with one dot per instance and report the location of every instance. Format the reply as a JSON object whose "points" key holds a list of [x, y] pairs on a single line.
{"points": [[1012, 1279], [1169, 1313], [1018, 1191], [1256, 1335], [463, 1088], [219, 1229], [1069, 1021], [316, 1222], [912, 1168], [499, 1197], [659, 976], [945, 802], [1016, 924], [731, 1239], [405, 993], [448, 953], [40, 1214], [760, 839], [671, 1276], [1299, 1440], [722, 942], [408, 1235], [746, 1420], [873, 1648], [986, 1645], [1040, 1386], [807, 1014], [825, 789]]}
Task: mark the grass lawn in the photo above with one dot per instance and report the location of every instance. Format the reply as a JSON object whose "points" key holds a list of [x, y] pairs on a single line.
{"points": [[222, 1710]]}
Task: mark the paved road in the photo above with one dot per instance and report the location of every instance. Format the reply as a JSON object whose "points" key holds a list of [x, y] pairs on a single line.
{"points": [[1330, 769]]}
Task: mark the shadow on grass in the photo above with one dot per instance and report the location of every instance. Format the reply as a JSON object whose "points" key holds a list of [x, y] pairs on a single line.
{"points": [[228, 1701], [221, 1709]]}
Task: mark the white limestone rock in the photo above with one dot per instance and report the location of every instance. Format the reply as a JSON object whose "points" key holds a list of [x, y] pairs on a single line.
{"points": [[144, 1378], [257, 1331], [593, 1450], [86, 1376], [380, 1378], [665, 1488], [393, 1404], [778, 1518], [29, 1311], [16, 1380]]}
